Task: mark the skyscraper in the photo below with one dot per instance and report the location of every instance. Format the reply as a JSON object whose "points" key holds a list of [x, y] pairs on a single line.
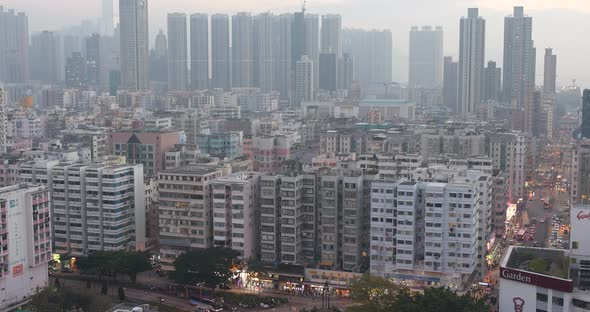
{"points": [[312, 45], [533, 114], [14, 46], [372, 53], [161, 44], [242, 59], [328, 71], [159, 59], [177, 52], [298, 36], [426, 57], [199, 51], [107, 17], [345, 71], [220, 52], [93, 64], [44, 57], [133, 26], [3, 121], [75, 71], [450, 84], [519, 57], [282, 55], [492, 79], [586, 114], [264, 71], [332, 34], [471, 61], [550, 72], [303, 80]]}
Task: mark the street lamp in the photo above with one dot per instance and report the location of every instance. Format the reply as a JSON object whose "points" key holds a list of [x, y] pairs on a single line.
{"points": [[325, 297]]}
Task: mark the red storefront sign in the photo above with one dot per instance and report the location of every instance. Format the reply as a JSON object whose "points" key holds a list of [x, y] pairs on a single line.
{"points": [[581, 215], [537, 279]]}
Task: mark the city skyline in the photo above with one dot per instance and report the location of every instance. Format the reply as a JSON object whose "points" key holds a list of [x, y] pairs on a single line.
{"points": [[557, 31]]}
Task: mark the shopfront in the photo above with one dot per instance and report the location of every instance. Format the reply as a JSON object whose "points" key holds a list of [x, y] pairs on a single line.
{"points": [[338, 282]]}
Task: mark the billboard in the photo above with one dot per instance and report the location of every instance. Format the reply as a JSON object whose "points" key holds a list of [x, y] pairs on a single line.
{"points": [[580, 231], [531, 278]]}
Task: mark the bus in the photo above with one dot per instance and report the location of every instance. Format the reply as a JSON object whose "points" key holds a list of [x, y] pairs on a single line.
{"points": [[520, 235]]}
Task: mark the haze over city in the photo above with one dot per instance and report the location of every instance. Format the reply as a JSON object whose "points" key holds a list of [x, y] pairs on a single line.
{"points": [[557, 24], [294, 155]]}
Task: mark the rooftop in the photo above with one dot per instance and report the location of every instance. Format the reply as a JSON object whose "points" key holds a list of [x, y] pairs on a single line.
{"points": [[193, 169], [386, 101], [551, 262]]}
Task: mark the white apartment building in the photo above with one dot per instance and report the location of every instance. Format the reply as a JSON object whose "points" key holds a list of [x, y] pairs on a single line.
{"points": [[26, 243], [509, 154], [186, 210], [427, 231], [94, 206], [236, 213]]}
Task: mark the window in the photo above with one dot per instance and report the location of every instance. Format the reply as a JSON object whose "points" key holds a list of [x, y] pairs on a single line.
{"points": [[581, 304], [542, 297], [558, 301]]}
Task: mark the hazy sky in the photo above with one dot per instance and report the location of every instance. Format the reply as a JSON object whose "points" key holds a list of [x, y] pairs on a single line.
{"points": [[560, 24]]}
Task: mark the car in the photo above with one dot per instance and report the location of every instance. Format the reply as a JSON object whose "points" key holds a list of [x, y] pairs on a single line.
{"points": [[66, 270], [224, 286], [542, 221]]}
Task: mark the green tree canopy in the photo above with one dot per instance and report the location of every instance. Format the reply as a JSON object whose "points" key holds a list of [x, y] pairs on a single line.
{"points": [[210, 266], [110, 263], [68, 299], [376, 294]]}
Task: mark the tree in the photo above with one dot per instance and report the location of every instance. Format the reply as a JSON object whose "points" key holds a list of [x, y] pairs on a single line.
{"points": [[121, 293], [210, 266], [256, 267], [133, 263], [68, 299], [110, 263], [46, 300], [100, 263], [376, 294]]}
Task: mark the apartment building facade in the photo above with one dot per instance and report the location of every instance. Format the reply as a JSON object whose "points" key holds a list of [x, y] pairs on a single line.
{"points": [[26, 241], [236, 213], [427, 231], [94, 206], [185, 210]]}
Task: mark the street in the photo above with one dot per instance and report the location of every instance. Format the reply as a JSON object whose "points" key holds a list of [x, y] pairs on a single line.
{"points": [[296, 302]]}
